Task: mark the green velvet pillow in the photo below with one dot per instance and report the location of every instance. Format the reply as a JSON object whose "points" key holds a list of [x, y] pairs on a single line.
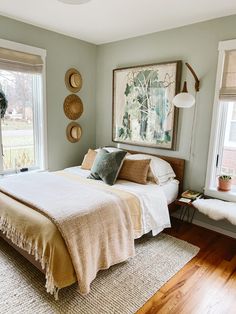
{"points": [[106, 166]]}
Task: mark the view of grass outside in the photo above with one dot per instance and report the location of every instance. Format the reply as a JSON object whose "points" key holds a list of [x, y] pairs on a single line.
{"points": [[17, 125], [18, 144]]}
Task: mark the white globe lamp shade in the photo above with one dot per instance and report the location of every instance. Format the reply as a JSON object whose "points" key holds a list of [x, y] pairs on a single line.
{"points": [[183, 100], [74, 1]]}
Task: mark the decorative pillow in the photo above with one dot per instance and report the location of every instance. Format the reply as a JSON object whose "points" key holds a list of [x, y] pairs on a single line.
{"points": [[135, 170], [89, 159], [107, 165], [150, 176], [160, 170]]}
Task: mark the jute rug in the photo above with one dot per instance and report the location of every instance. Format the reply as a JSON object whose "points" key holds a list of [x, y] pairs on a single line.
{"points": [[122, 289]]}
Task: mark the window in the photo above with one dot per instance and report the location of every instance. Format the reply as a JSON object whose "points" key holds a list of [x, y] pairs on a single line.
{"points": [[222, 153], [227, 151], [23, 128], [230, 135]]}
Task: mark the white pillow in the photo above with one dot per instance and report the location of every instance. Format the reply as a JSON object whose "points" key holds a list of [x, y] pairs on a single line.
{"points": [[112, 149], [160, 170]]}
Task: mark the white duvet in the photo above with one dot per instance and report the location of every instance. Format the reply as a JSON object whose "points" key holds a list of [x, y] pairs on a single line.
{"points": [[152, 199]]}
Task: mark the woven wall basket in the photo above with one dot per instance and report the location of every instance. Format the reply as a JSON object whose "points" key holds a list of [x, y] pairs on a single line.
{"points": [[73, 80], [73, 107], [73, 132]]}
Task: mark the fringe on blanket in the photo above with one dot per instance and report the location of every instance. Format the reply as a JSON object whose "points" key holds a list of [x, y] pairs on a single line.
{"points": [[26, 244]]}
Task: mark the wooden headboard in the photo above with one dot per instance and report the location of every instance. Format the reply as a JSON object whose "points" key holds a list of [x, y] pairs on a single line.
{"points": [[177, 164]]}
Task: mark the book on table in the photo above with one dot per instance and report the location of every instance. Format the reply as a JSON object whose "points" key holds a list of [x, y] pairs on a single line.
{"points": [[185, 200], [192, 195]]}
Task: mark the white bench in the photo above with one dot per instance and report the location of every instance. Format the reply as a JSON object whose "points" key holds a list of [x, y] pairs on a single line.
{"points": [[217, 209]]}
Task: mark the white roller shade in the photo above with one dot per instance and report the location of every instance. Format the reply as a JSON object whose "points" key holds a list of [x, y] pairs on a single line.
{"points": [[19, 61], [228, 87]]}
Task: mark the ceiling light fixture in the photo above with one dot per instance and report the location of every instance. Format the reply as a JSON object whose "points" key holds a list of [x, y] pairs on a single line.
{"points": [[74, 1]]}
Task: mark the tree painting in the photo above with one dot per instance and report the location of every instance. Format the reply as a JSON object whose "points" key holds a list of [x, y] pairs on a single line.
{"points": [[143, 110]]}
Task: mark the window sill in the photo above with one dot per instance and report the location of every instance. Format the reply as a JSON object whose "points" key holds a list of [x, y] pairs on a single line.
{"points": [[226, 196], [5, 175]]}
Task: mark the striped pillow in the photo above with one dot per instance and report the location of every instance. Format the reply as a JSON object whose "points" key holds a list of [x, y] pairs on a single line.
{"points": [[135, 170]]}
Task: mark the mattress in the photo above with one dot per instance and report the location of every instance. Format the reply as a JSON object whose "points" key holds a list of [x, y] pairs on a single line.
{"points": [[171, 190]]}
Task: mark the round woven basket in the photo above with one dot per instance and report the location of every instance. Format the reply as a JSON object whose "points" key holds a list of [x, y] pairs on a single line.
{"points": [[73, 132], [73, 80], [73, 107]]}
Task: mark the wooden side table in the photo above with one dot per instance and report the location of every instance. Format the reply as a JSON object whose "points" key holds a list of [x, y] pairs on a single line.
{"points": [[187, 211]]}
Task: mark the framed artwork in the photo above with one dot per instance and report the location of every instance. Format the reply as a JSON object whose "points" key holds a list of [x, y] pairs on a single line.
{"points": [[143, 113]]}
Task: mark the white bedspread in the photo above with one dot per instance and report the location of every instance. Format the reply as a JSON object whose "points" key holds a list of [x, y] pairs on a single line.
{"points": [[152, 199]]}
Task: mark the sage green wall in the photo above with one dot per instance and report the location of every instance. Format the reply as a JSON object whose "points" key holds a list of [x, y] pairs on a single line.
{"points": [[62, 53], [196, 44]]}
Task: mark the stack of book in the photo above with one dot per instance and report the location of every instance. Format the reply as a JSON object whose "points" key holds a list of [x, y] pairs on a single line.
{"points": [[189, 196]]}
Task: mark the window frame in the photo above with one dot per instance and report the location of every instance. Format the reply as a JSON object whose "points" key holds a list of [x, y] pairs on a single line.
{"points": [[228, 128], [42, 126], [217, 132]]}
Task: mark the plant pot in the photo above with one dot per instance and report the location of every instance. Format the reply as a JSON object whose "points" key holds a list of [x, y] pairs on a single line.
{"points": [[224, 185]]}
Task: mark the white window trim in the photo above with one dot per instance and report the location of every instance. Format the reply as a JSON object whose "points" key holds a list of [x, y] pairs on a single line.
{"points": [[215, 136], [42, 53]]}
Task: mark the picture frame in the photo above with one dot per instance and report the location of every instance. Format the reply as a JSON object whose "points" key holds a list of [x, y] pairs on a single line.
{"points": [[142, 109]]}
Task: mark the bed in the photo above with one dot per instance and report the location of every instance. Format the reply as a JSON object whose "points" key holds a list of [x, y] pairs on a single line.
{"points": [[49, 250]]}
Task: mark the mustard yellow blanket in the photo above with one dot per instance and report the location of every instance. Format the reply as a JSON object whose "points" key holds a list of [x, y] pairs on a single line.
{"points": [[98, 235]]}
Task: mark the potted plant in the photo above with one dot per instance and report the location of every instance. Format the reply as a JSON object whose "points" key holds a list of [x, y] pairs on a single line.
{"points": [[224, 183]]}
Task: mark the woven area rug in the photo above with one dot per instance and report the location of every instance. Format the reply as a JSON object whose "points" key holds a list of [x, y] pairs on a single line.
{"points": [[123, 289]]}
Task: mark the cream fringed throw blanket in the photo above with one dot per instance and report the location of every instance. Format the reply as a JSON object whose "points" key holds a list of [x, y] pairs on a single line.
{"points": [[94, 221]]}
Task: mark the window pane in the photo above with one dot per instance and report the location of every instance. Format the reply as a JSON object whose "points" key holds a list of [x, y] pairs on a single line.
{"points": [[17, 125], [229, 150], [234, 112], [232, 132]]}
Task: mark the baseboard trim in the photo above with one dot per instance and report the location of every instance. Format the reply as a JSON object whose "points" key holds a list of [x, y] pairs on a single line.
{"points": [[211, 227]]}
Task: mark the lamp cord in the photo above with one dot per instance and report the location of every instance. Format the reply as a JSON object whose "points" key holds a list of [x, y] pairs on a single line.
{"points": [[192, 140]]}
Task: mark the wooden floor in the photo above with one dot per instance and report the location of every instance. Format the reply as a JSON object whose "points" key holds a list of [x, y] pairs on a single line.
{"points": [[207, 284]]}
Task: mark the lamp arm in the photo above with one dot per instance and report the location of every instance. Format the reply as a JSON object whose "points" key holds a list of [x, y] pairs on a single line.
{"points": [[197, 81]]}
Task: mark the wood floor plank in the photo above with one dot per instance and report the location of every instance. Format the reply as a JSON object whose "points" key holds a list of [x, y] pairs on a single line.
{"points": [[208, 292], [207, 284]]}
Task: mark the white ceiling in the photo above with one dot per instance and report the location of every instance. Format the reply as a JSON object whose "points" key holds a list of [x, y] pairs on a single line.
{"points": [[102, 21]]}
